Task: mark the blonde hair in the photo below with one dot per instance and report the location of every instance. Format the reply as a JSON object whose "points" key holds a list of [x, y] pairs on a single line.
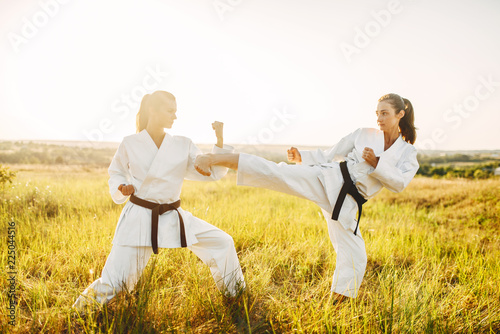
{"points": [[151, 102]]}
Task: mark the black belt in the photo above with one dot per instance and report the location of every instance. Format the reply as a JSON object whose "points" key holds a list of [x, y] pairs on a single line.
{"points": [[348, 188], [157, 210]]}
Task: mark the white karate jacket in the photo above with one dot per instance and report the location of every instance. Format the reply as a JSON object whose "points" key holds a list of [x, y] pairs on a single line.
{"points": [[157, 175], [395, 169]]}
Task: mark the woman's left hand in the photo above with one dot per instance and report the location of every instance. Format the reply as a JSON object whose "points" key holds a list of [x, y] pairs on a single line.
{"points": [[370, 157], [218, 127]]}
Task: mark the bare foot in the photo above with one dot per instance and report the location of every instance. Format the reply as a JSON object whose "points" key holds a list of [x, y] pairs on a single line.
{"points": [[202, 164]]}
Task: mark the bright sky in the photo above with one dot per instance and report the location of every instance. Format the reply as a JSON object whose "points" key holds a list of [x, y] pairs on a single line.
{"points": [[275, 72]]}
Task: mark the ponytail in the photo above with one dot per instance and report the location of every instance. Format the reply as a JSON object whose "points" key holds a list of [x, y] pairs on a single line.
{"points": [[407, 123], [143, 115]]}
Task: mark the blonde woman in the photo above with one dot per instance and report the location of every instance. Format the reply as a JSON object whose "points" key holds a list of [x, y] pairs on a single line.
{"points": [[371, 159], [148, 169]]}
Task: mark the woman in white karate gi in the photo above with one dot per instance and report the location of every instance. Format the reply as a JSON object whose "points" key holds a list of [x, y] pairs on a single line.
{"points": [[150, 166], [374, 159]]}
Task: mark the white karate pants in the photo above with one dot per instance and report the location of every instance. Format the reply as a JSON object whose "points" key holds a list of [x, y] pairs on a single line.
{"points": [[125, 265], [303, 181]]}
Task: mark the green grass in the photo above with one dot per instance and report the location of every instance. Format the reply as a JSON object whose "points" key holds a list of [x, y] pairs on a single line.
{"points": [[433, 261]]}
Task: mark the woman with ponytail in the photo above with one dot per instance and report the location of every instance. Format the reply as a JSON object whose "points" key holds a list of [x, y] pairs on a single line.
{"points": [[340, 180], [148, 169]]}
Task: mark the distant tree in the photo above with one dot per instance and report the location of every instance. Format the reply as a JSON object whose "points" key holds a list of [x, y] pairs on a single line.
{"points": [[59, 160]]}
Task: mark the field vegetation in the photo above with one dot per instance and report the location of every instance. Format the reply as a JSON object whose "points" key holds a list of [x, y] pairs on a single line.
{"points": [[433, 260]]}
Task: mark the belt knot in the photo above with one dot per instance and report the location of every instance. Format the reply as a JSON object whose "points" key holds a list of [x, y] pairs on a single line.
{"points": [[158, 209]]}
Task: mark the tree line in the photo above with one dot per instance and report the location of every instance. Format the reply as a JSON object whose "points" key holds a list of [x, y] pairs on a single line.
{"points": [[471, 166], [477, 171], [50, 154]]}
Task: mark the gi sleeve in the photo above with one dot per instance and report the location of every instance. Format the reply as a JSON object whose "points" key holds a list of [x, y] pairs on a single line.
{"points": [[396, 178], [336, 152], [218, 172], [118, 174]]}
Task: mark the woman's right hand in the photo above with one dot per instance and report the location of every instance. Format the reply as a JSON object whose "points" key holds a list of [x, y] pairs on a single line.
{"points": [[294, 155], [126, 190]]}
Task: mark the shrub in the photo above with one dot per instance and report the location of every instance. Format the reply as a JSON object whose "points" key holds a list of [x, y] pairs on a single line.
{"points": [[6, 175]]}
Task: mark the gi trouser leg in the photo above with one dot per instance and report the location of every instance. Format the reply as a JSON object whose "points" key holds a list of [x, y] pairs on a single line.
{"points": [[122, 270], [125, 265], [216, 249], [351, 257], [303, 181]]}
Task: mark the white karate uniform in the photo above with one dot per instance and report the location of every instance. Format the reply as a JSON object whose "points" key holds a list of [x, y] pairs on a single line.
{"points": [[319, 179], [157, 175]]}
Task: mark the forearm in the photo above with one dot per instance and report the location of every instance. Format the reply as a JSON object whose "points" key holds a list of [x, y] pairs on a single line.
{"points": [[225, 160], [220, 142]]}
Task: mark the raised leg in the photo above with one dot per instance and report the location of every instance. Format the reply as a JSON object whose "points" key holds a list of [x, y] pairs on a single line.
{"points": [[298, 180]]}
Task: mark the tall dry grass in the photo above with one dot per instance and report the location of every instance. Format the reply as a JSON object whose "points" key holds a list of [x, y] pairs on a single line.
{"points": [[433, 261]]}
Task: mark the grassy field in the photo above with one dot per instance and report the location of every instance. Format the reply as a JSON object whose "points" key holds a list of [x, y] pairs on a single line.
{"points": [[433, 261]]}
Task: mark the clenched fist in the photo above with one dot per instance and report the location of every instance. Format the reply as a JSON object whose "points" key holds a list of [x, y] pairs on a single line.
{"points": [[218, 127], [202, 164], [126, 190], [294, 155], [370, 157]]}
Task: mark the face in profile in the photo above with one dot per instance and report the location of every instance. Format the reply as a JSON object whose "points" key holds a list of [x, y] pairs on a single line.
{"points": [[387, 116], [165, 113]]}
